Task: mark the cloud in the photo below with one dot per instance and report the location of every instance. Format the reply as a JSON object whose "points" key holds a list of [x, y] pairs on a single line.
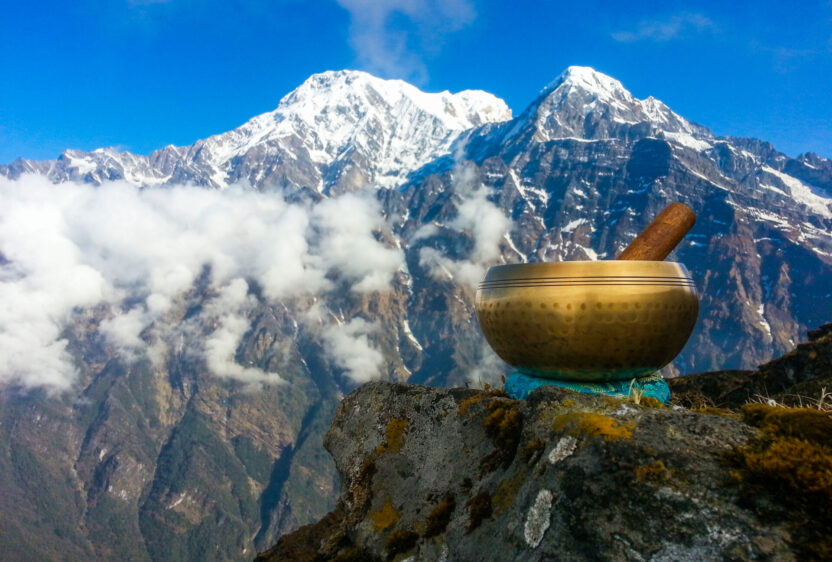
{"points": [[390, 37], [486, 223], [348, 345], [68, 247], [786, 59], [668, 29], [488, 369], [228, 310], [348, 244], [477, 216]]}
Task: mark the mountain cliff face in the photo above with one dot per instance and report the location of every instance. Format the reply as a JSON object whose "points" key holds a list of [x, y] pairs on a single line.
{"points": [[152, 455]]}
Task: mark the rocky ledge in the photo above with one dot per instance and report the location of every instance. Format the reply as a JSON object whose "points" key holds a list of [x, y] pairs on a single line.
{"points": [[455, 474]]}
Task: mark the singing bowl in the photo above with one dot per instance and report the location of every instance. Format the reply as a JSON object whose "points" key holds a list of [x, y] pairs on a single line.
{"points": [[588, 320]]}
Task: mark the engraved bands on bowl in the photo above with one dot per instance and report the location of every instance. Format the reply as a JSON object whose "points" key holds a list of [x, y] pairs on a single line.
{"points": [[576, 281]]}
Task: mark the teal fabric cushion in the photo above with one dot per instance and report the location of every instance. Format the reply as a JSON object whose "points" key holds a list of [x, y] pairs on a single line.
{"points": [[519, 385]]}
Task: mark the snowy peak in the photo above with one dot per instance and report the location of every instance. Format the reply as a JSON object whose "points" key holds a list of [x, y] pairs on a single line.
{"points": [[586, 104], [460, 111], [587, 79], [348, 120], [339, 130]]}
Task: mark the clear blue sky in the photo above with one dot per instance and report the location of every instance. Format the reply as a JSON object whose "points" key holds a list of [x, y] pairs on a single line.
{"points": [[141, 74]]}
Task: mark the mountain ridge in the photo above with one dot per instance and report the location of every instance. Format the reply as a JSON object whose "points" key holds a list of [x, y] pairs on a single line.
{"points": [[325, 118]]}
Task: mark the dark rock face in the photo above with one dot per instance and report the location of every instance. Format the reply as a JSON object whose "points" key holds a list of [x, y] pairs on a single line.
{"points": [[433, 474]]}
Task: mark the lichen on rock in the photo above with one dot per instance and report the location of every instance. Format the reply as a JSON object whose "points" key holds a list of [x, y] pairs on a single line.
{"points": [[564, 447], [537, 518]]}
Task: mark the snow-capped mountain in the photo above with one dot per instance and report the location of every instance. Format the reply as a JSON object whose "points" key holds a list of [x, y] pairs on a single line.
{"points": [[585, 104], [462, 185], [337, 130]]}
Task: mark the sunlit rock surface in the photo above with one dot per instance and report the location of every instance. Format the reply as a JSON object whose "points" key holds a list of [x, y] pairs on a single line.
{"points": [[434, 474]]}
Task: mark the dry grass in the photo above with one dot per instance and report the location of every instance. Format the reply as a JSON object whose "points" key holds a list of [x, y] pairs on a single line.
{"points": [[634, 394], [823, 403]]}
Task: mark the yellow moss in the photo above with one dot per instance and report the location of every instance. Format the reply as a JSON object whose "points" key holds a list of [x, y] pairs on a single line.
{"points": [[503, 498], [802, 466], [651, 402], [717, 412], [791, 461], [395, 437], [504, 423], [802, 423], [656, 472], [468, 402], [400, 541], [440, 516], [386, 517], [568, 403], [479, 508], [588, 423], [532, 449]]}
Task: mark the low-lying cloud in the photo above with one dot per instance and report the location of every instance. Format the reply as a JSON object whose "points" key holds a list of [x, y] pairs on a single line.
{"points": [[348, 346], [476, 215], [69, 247]]}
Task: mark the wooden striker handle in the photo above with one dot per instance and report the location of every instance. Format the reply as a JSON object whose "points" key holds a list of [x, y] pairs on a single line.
{"points": [[662, 235]]}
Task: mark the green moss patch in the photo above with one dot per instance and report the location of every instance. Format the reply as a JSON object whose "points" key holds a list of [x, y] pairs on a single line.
{"points": [[651, 402]]}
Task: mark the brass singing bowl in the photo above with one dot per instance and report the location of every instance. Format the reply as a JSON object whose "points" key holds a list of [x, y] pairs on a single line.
{"points": [[588, 320]]}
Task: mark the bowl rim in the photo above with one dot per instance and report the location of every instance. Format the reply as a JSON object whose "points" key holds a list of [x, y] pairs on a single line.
{"points": [[570, 271]]}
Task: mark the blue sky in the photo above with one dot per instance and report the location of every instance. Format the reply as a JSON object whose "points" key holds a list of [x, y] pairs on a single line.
{"points": [[141, 74]]}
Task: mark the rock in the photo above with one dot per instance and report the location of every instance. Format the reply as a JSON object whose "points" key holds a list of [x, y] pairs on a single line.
{"points": [[455, 474], [797, 378]]}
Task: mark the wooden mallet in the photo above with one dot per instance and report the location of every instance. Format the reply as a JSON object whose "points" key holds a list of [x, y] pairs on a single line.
{"points": [[662, 235]]}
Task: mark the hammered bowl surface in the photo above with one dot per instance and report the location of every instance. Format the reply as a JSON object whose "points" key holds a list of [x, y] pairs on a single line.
{"points": [[588, 321]]}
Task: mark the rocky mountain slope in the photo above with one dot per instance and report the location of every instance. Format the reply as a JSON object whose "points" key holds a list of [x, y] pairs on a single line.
{"points": [[154, 455], [435, 474]]}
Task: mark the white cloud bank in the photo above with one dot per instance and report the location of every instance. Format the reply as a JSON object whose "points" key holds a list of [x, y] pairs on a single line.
{"points": [[70, 246]]}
